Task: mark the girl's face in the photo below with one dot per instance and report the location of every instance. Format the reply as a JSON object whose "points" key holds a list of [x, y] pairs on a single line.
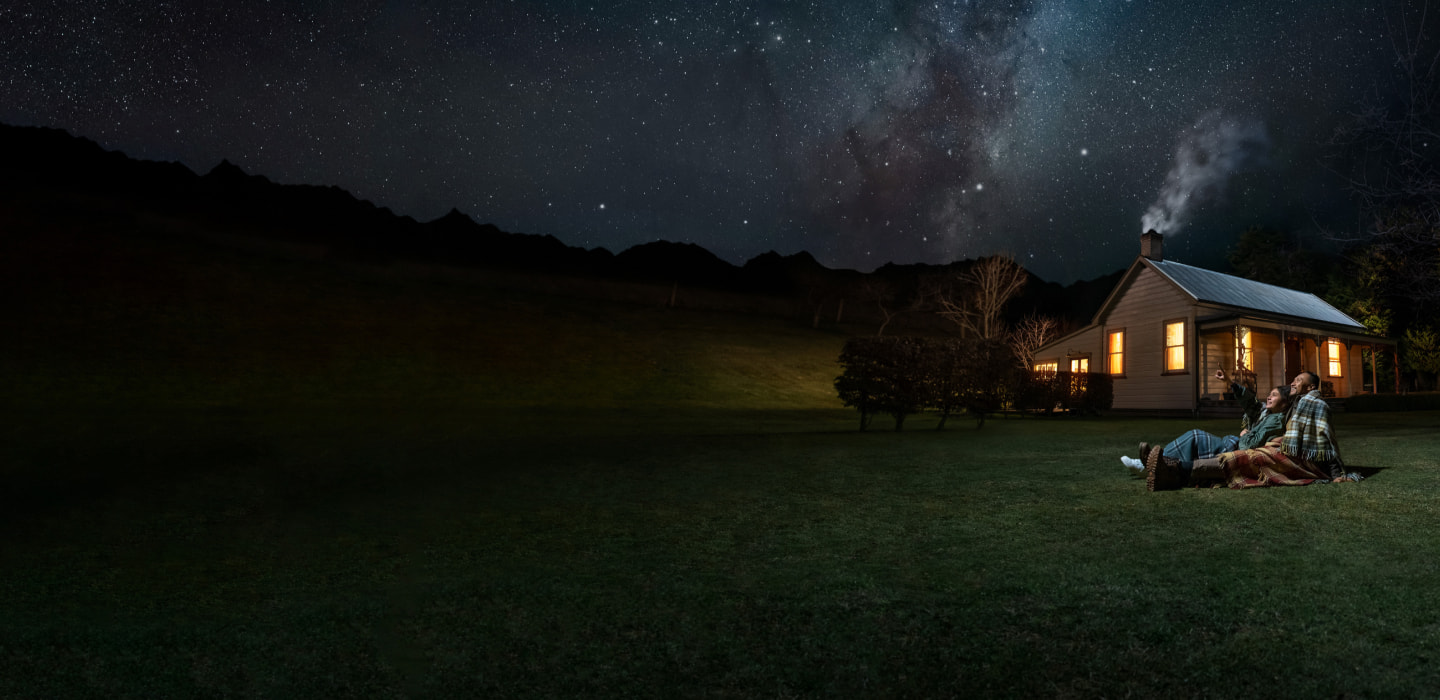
{"points": [[1275, 403]]}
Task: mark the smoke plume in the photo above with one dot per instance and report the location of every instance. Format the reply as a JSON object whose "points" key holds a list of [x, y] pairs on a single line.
{"points": [[1208, 154]]}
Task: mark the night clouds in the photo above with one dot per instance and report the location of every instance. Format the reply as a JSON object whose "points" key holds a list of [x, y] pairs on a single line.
{"points": [[862, 132]]}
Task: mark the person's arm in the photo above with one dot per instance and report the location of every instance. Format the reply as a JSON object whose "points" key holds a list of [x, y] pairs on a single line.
{"points": [[1245, 395]]}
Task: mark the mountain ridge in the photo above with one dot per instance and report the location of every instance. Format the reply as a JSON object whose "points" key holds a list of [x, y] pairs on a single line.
{"points": [[44, 162]]}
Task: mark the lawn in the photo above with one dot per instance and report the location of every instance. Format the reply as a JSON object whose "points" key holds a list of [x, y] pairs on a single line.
{"points": [[363, 552], [291, 482]]}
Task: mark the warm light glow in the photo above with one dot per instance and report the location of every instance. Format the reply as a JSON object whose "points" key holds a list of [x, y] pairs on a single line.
{"points": [[1080, 365], [1332, 352], [1116, 350], [1244, 351], [1047, 367], [1175, 346]]}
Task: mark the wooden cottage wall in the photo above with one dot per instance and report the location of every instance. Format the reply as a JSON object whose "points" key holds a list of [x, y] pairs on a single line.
{"points": [[1341, 383], [1142, 312], [1087, 342], [1355, 365], [1269, 360], [1218, 350]]}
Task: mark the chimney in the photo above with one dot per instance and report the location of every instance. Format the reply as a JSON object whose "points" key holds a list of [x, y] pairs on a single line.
{"points": [[1152, 246]]}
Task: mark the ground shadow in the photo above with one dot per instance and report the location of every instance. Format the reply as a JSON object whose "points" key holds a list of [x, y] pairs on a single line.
{"points": [[1364, 472]]}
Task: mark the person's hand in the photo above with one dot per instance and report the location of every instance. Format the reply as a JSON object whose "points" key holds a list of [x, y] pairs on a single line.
{"points": [[1275, 442], [1243, 431]]}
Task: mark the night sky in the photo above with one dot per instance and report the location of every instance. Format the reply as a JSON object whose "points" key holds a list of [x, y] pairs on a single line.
{"points": [[862, 132]]}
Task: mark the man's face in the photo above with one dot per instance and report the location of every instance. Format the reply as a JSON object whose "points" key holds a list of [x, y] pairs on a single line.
{"points": [[1299, 385]]}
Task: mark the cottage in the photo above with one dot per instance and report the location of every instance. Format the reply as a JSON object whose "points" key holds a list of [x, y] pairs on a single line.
{"points": [[1167, 327]]}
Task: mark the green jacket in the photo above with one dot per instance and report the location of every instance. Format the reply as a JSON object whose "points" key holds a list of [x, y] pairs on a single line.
{"points": [[1269, 425]]}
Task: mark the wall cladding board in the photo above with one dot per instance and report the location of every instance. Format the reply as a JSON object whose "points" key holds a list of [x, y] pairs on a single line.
{"points": [[1145, 305]]}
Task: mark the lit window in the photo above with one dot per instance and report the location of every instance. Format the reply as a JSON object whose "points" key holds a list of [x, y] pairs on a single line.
{"points": [[1175, 346], [1244, 351], [1079, 365], [1332, 353], [1047, 367], [1115, 349]]}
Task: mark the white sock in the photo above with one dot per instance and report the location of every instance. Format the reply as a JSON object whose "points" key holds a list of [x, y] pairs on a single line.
{"points": [[1132, 462]]}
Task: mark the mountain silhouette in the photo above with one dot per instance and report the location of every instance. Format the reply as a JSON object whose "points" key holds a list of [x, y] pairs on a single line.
{"points": [[49, 170]]}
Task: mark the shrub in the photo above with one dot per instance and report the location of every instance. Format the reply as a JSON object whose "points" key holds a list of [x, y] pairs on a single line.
{"points": [[1376, 403], [1085, 392], [883, 375], [904, 375]]}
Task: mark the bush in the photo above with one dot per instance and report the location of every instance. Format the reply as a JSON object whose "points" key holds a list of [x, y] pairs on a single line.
{"points": [[904, 375], [1376, 403], [1087, 392], [883, 375]]}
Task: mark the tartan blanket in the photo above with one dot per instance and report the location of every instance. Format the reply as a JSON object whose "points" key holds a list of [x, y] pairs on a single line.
{"points": [[1308, 435], [1198, 444], [1269, 466]]}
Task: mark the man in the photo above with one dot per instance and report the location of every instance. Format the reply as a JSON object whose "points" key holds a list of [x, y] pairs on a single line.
{"points": [[1306, 453], [1308, 435]]}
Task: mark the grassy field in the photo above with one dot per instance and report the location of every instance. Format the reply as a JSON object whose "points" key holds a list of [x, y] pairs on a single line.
{"points": [[277, 484]]}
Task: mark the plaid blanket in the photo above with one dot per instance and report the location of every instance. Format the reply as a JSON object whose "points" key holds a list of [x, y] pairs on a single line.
{"points": [[1268, 466], [1308, 435], [1198, 444]]}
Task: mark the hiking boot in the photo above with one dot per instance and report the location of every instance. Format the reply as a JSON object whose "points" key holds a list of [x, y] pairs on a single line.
{"points": [[1164, 473]]}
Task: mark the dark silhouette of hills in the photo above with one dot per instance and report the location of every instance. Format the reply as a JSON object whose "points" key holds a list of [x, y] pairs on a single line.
{"points": [[49, 167]]}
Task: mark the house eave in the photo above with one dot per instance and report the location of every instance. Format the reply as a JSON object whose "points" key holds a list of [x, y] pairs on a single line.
{"points": [[1229, 316]]}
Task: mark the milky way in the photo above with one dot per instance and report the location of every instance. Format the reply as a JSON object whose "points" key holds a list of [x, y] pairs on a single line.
{"points": [[864, 133]]}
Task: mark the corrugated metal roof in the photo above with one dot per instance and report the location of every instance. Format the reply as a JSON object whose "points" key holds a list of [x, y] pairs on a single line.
{"points": [[1214, 287]]}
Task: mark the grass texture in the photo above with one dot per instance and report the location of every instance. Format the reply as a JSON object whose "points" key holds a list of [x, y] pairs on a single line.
{"points": [[276, 484]]}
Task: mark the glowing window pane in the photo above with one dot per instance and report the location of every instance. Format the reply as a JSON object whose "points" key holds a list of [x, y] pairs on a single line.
{"points": [[1116, 359], [1244, 352], [1175, 346], [1332, 351], [1174, 358]]}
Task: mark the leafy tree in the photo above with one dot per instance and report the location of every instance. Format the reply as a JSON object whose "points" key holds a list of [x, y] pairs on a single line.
{"points": [[1274, 257], [1254, 253], [969, 375], [860, 384], [904, 375], [883, 375], [1421, 346], [990, 374]]}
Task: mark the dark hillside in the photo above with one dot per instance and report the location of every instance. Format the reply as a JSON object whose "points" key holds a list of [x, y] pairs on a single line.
{"points": [[51, 181]]}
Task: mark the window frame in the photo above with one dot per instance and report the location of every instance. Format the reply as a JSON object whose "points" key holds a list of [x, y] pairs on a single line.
{"points": [[1334, 364], [1110, 354], [1166, 346], [1245, 347]]}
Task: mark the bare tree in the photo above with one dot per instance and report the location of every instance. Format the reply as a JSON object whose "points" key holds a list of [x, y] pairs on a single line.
{"points": [[882, 294], [893, 300], [976, 302], [1029, 335]]}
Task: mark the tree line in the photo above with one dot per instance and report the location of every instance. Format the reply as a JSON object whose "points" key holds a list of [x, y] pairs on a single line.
{"points": [[900, 376]]}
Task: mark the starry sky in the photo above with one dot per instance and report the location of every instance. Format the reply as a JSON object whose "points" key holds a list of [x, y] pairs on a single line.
{"points": [[861, 132]]}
